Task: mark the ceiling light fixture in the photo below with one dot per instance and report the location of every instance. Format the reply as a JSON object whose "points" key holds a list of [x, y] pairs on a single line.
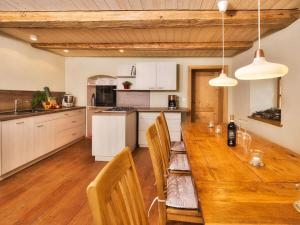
{"points": [[33, 37], [121, 50], [223, 80], [260, 68], [66, 50]]}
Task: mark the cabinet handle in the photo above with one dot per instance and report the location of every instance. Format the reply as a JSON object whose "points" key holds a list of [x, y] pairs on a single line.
{"points": [[74, 121], [66, 114], [20, 123], [40, 126], [73, 134]]}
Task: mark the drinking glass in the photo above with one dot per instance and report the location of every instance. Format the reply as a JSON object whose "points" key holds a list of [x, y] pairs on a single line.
{"points": [[256, 158], [246, 142], [211, 124], [218, 129], [240, 132], [297, 202]]}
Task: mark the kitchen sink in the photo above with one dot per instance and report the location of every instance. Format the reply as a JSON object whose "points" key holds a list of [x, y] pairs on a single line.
{"points": [[21, 112]]}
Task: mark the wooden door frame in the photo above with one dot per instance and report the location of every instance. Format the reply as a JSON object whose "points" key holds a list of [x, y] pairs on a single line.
{"points": [[224, 90]]}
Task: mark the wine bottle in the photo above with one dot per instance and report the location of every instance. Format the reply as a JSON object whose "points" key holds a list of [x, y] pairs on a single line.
{"points": [[231, 132]]}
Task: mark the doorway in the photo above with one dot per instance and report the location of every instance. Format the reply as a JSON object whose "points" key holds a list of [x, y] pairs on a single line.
{"points": [[206, 103]]}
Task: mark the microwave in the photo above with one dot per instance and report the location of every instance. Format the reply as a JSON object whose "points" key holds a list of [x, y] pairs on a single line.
{"points": [[106, 95]]}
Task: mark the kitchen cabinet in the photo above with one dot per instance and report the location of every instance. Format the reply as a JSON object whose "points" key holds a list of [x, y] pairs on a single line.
{"points": [[119, 132], [43, 134], [27, 139], [69, 127], [145, 76], [146, 119], [17, 143], [166, 77], [156, 76]]}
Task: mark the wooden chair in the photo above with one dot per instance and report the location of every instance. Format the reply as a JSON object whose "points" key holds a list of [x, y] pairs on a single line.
{"points": [[176, 146], [175, 161], [115, 196], [177, 199]]}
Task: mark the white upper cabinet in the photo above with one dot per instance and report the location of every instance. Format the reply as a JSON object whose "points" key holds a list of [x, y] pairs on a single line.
{"points": [[156, 76], [166, 78], [145, 76]]}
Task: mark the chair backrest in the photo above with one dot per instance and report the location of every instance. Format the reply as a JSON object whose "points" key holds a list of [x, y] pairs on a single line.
{"points": [[166, 128], [115, 195], [157, 160], [164, 141], [159, 171]]}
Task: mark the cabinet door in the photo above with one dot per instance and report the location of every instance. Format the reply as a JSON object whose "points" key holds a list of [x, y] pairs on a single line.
{"points": [[17, 145], [167, 76], [146, 76], [43, 138]]}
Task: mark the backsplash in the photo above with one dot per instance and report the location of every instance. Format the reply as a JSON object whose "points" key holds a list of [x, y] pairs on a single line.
{"points": [[133, 98], [7, 99]]}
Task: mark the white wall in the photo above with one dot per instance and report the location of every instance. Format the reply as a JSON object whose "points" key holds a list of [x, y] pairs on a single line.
{"points": [[281, 47], [78, 69], [263, 94], [26, 68]]}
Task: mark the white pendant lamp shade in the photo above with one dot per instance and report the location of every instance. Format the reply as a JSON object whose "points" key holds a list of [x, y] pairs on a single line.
{"points": [[260, 69], [223, 81]]}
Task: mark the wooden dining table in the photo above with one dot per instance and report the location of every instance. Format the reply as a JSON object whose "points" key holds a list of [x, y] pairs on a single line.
{"points": [[230, 190]]}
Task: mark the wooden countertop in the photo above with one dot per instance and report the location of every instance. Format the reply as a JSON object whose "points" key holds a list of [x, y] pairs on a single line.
{"points": [[231, 191], [20, 116]]}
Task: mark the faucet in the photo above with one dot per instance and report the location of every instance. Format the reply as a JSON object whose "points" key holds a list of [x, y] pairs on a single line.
{"points": [[16, 105]]}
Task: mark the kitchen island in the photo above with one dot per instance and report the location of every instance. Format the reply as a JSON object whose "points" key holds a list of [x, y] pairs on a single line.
{"points": [[112, 131]]}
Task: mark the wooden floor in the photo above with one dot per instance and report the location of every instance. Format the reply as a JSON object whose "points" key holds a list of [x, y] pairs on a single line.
{"points": [[53, 191]]}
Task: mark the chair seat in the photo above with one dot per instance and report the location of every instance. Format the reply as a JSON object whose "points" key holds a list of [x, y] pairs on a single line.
{"points": [[177, 146], [179, 162], [181, 192]]}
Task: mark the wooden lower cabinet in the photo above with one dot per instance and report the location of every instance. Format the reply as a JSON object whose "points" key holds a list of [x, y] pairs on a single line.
{"points": [[43, 136], [68, 135], [25, 140], [17, 143]]}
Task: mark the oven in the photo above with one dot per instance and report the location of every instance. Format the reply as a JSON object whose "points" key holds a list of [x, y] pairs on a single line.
{"points": [[106, 95]]}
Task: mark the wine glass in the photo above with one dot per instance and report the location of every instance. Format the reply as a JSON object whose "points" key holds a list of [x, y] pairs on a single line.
{"points": [[240, 132], [246, 142]]}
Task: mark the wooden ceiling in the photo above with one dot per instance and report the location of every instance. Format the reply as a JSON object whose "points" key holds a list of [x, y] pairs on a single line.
{"points": [[94, 5], [142, 28]]}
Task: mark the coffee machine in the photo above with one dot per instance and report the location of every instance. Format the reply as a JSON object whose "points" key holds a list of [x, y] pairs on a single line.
{"points": [[172, 101]]}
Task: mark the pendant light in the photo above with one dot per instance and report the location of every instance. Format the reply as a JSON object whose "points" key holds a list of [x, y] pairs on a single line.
{"points": [[260, 68], [223, 80]]}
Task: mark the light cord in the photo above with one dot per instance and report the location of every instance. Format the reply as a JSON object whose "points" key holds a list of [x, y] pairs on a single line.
{"points": [[223, 34], [258, 8]]}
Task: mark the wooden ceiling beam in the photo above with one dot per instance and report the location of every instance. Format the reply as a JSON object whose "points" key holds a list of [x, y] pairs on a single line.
{"points": [[146, 46], [143, 19]]}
